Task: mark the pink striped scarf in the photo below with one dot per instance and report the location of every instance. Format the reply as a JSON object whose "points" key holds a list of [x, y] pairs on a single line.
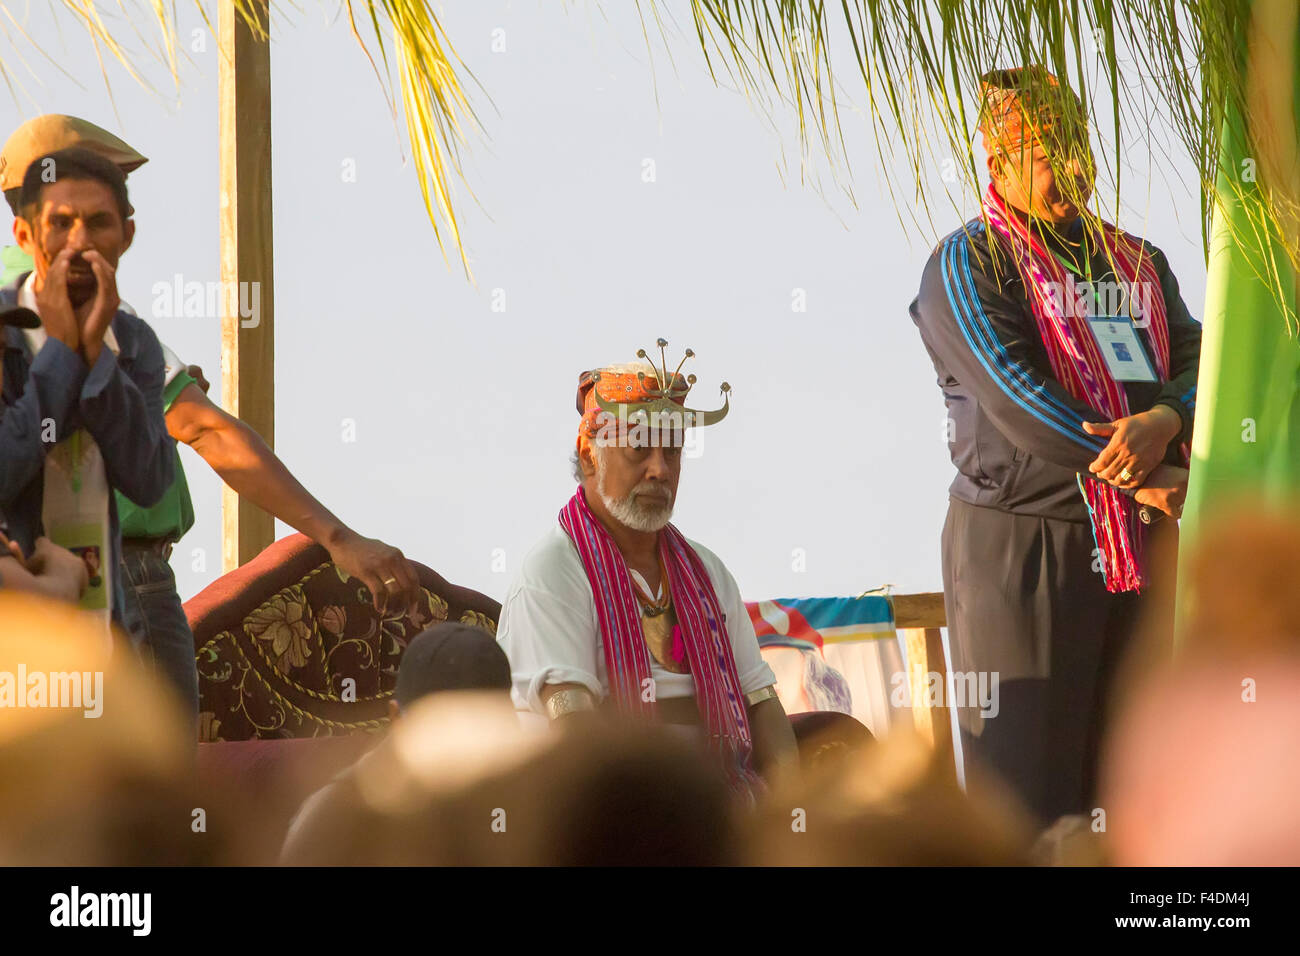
{"points": [[1077, 363], [704, 632]]}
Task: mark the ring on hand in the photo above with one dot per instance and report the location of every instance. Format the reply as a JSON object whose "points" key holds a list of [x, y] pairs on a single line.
{"points": [[1126, 475], [388, 581]]}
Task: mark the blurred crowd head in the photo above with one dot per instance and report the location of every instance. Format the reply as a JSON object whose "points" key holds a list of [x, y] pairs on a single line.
{"points": [[78, 789], [1202, 766]]}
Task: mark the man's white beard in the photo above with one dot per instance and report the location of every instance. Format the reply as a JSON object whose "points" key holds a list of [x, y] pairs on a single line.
{"points": [[628, 511]]}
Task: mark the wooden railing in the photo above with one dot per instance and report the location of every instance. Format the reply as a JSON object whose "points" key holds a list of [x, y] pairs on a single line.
{"points": [[919, 610]]}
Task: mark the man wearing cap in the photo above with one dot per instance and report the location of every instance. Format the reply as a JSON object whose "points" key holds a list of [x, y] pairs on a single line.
{"points": [[1068, 365], [153, 609], [82, 391], [615, 606], [40, 136]]}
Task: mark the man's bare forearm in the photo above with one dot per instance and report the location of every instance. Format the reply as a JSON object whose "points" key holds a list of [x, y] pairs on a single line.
{"points": [[244, 461]]}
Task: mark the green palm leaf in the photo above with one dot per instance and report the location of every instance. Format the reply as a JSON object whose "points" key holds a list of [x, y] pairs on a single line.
{"points": [[435, 107], [919, 62]]}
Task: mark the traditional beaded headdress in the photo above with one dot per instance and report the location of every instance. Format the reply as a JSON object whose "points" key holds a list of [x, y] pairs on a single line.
{"points": [[643, 394]]}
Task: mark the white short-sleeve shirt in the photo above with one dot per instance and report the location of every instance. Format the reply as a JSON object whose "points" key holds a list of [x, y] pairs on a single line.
{"points": [[551, 635]]}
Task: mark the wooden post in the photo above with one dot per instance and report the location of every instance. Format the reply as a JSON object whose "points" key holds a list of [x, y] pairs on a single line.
{"points": [[247, 321], [919, 617]]}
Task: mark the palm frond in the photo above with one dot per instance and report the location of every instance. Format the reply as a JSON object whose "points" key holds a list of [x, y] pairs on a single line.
{"points": [[438, 115], [920, 62], [437, 108]]}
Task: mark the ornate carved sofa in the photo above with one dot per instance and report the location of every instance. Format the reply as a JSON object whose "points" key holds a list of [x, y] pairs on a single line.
{"points": [[287, 646]]}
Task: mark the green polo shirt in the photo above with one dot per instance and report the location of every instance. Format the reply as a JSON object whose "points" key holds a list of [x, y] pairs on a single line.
{"points": [[172, 516], [13, 263]]}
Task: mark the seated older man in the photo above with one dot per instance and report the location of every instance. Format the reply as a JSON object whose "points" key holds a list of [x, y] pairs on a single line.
{"points": [[616, 606]]}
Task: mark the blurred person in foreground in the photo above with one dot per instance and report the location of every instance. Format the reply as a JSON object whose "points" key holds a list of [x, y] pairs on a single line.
{"points": [[1203, 767], [153, 611], [95, 764], [458, 782], [895, 803], [615, 606], [446, 657]]}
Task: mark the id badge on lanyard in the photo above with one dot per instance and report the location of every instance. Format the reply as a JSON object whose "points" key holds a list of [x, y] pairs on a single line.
{"points": [[1118, 342], [1117, 339]]}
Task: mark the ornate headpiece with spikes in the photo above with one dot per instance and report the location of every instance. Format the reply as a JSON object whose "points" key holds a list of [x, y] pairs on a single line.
{"points": [[654, 396]]}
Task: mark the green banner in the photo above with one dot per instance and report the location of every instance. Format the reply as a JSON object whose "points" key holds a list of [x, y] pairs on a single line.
{"points": [[1246, 448]]}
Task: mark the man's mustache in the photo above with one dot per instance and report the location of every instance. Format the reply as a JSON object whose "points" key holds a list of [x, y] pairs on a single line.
{"points": [[653, 491], [78, 264]]}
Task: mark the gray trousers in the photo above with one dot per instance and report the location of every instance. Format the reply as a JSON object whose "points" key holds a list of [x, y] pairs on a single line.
{"points": [[1024, 603]]}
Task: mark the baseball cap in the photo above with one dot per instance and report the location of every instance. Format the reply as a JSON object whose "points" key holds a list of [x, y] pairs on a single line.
{"points": [[55, 131], [451, 656]]}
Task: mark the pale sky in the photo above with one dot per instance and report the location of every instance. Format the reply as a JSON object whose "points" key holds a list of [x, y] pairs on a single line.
{"points": [[830, 474]]}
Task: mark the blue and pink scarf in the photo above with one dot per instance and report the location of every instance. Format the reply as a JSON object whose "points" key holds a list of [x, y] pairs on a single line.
{"points": [[703, 632], [1077, 364]]}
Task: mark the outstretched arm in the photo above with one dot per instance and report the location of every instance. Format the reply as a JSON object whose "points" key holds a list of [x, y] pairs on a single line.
{"points": [[244, 462]]}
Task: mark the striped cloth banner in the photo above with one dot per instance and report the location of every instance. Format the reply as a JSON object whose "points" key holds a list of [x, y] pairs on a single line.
{"points": [[840, 654]]}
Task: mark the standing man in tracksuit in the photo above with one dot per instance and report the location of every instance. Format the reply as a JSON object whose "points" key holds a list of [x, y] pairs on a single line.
{"points": [[1068, 365]]}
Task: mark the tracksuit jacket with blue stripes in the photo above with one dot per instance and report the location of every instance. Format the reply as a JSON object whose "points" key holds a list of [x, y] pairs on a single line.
{"points": [[1016, 435]]}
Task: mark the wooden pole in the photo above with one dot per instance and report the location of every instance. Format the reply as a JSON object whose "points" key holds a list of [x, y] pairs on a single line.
{"points": [[919, 617], [933, 722], [247, 321]]}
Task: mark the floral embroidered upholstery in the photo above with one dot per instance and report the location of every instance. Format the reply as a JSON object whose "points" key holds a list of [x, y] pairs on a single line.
{"points": [[287, 646]]}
